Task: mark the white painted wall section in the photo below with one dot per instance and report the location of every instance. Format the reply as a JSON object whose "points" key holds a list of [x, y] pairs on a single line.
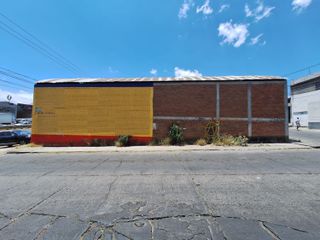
{"points": [[306, 106]]}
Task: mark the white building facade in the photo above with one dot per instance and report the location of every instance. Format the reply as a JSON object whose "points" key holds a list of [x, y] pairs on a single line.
{"points": [[305, 101], [8, 112]]}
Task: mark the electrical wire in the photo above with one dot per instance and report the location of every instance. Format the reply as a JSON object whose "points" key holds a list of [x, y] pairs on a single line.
{"points": [[33, 46], [15, 84], [40, 42], [16, 77], [19, 74], [303, 69], [41, 48]]}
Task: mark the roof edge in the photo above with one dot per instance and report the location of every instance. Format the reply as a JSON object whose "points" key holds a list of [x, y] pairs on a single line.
{"points": [[305, 79], [164, 79]]}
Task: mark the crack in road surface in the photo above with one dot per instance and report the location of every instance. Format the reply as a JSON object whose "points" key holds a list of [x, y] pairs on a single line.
{"points": [[30, 209], [188, 196], [188, 219]]}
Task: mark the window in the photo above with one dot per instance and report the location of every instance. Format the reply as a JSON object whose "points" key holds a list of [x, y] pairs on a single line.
{"points": [[300, 113]]}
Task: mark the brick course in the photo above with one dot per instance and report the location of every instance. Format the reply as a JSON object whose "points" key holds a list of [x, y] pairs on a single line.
{"points": [[268, 129], [199, 100], [268, 101], [234, 100], [193, 100], [234, 128]]}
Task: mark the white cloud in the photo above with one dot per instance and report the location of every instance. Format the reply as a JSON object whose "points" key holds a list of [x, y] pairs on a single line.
{"points": [[247, 10], [17, 97], [299, 5], [184, 9], [112, 70], [260, 12], [234, 34], [257, 39], [186, 73], [153, 71], [223, 7], [205, 8]]}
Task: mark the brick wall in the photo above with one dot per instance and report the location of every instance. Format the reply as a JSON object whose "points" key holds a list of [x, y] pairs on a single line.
{"points": [[268, 101], [194, 100], [192, 130], [192, 105], [181, 101], [234, 128], [234, 100], [268, 129]]}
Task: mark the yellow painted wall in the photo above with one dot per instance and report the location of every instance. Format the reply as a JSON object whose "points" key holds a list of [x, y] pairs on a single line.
{"points": [[93, 111]]}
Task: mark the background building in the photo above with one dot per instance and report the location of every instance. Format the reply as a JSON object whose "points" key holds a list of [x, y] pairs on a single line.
{"points": [[24, 110], [8, 113], [305, 101], [76, 111]]}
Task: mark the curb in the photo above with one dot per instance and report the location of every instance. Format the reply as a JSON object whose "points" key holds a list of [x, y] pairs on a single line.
{"points": [[128, 150]]}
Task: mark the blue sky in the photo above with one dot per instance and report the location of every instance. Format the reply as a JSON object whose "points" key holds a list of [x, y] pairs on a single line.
{"points": [[135, 38]]}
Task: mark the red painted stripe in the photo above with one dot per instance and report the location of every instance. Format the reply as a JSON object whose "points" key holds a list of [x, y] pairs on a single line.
{"points": [[81, 140]]}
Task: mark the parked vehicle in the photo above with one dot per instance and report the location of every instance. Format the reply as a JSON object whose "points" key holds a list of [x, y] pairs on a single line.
{"points": [[23, 122], [10, 138], [23, 134]]}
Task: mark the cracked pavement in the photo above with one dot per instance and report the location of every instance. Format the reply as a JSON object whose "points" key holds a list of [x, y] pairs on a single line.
{"points": [[225, 195]]}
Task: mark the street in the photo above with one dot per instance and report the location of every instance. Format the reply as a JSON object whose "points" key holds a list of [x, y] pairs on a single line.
{"points": [[310, 137], [175, 195]]}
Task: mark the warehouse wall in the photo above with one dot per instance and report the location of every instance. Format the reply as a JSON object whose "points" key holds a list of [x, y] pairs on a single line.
{"points": [[269, 109], [254, 109], [306, 107], [77, 115], [191, 105]]}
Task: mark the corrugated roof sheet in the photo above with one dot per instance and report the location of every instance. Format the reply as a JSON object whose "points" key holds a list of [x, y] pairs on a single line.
{"points": [[162, 79], [305, 79]]}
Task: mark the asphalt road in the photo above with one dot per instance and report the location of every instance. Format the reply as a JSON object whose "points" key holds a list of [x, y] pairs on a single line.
{"points": [[178, 195], [309, 137]]}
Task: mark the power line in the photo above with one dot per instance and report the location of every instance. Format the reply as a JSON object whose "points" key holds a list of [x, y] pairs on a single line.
{"points": [[39, 47], [15, 84], [16, 77], [33, 46], [40, 42], [19, 74], [303, 69]]}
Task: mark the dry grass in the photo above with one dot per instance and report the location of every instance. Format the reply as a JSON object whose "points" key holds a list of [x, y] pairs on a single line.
{"points": [[229, 140], [201, 142], [33, 145], [165, 142], [154, 142]]}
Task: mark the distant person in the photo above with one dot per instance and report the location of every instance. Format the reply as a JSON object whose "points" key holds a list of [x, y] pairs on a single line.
{"points": [[298, 125]]}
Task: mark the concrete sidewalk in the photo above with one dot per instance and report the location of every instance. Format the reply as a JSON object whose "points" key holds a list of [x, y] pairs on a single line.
{"points": [[308, 137], [250, 147]]}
